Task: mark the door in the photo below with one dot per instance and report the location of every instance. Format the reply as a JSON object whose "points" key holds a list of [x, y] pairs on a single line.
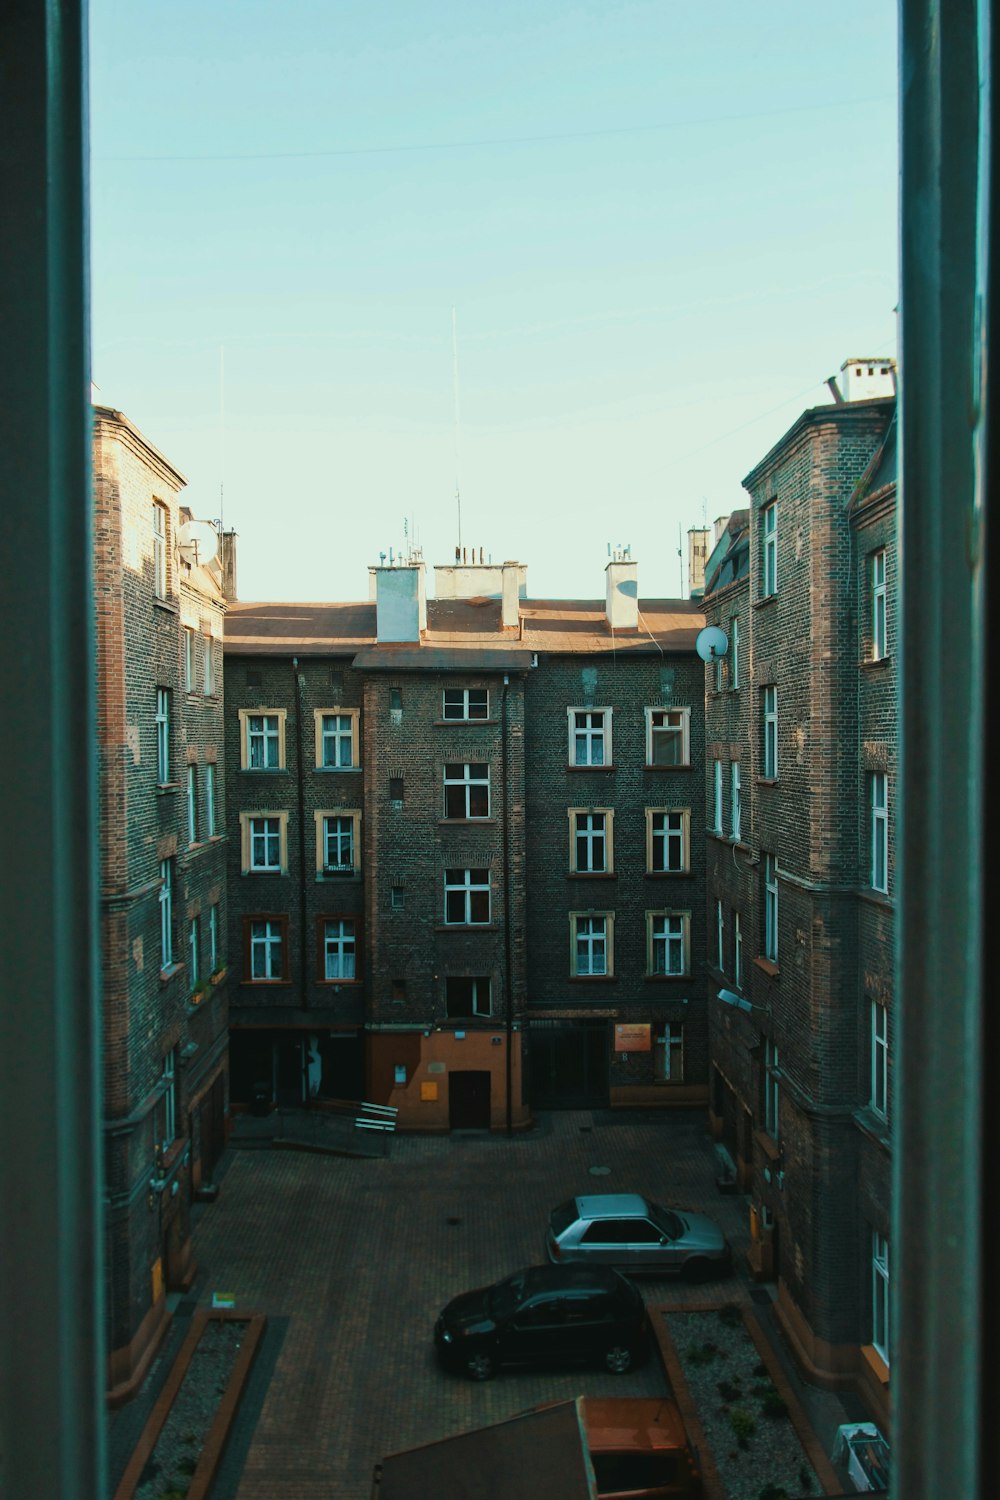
{"points": [[211, 1128], [289, 1079], [569, 1064], [469, 1100]]}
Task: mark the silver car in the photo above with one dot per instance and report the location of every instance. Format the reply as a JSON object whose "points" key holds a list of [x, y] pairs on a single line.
{"points": [[628, 1232]]}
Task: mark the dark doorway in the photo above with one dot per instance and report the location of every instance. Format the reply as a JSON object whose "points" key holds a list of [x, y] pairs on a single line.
{"points": [[343, 1065], [569, 1064], [289, 1081], [469, 1101], [211, 1128]]}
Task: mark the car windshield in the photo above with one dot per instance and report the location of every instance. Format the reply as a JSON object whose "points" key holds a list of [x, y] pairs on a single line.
{"points": [[506, 1297], [563, 1216], [668, 1222]]}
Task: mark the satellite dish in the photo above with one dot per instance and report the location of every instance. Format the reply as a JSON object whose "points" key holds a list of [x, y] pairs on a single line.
{"points": [[198, 542], [711, 643]]}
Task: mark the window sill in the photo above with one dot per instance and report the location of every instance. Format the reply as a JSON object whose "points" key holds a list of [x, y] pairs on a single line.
{"points": [[767, 967], [667, 874], [684, 978], [609, 767], [591, 978], [881, 899], [338, 770], [264, 872], [171, 607], [340, 984], [766, 780], [765, 601], [872, 664], [268, 984], [462, 723], [264, 770], [468, 927], [680, 766], [873, 1125], [876, 1364], [162, 787], [770, 1147], [170, 972], [464, 822], [591, 874], [338, 877]]}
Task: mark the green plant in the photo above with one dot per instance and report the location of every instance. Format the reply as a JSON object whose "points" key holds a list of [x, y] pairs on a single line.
{"points": [[805, 1478], [773, 1406], [702, 1354], [186, 1465], [743, 1425], [730, 1315], [728, 1390]]}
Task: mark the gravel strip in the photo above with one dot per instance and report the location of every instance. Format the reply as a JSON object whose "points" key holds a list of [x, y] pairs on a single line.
{"points": [[752, 1440], [172, 1463]]}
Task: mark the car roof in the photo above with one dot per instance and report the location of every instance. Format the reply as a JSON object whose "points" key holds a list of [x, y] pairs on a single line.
{"points": [[620, 1424], [612, 1206], [569, 1278]]}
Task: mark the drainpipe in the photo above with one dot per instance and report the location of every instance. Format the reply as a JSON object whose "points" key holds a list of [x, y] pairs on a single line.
{"points": [[303, 941], [507, 943]]}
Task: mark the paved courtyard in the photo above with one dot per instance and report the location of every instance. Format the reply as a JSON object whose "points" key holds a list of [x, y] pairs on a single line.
{"points": [[352, 1260]]}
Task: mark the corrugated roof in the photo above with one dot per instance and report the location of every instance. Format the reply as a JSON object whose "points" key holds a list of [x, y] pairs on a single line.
{"points": [[458, 626]]}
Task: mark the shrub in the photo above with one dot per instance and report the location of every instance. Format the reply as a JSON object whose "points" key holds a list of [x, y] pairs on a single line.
{"points": [[772, 1405], [743, 1425], [728, 1390], [805, 1478], [702, 1354]]}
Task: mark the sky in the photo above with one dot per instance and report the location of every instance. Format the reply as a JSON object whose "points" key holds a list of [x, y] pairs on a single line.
{"points": [[537, 278]]}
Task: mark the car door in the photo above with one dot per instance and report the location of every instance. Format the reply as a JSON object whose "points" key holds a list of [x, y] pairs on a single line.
{"points": [[604, 1241], [535, 1333]]}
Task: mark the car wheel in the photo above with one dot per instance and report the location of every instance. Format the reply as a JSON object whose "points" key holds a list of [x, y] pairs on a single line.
{"points": [[618, 1359], [697, 1269], [481, 1365]]}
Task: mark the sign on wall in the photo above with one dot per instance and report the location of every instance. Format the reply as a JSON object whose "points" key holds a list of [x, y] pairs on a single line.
{"points": [[633, 1038]]}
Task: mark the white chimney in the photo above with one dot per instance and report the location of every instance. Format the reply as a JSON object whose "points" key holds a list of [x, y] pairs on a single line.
{"points": [[510, 606], [400, 602], [697, 558], [867, 379], [622, 607]]}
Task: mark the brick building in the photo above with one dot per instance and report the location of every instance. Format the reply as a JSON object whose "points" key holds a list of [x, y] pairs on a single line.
{"points": [[159, 633], [464, 865], [800, 784]]}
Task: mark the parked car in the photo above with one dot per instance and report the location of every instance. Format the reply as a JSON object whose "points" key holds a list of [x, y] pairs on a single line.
{"points": [[629, 1232], [545, 1315]]}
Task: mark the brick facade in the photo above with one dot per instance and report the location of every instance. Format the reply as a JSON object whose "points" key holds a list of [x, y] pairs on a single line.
{"points": [[160, 719], [794, 1097]]}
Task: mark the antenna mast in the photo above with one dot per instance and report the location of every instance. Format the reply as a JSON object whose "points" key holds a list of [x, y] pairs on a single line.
{"points": [[458, 423], [680, 556], [222, 430]]}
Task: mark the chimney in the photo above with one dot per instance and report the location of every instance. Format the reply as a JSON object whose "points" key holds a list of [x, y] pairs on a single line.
{"points": [[697, 558], [622, 607], [510, 610], [400, 602], [227, 563]]}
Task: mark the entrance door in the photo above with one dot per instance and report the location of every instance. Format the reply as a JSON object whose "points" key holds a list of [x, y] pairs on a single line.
{"points": [[569, 1064], [211, 1127], [469, 1100], [289, 1075]]}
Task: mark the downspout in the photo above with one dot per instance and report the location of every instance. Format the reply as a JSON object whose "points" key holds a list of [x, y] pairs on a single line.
{"points": [[507, 943], [303, 942]]}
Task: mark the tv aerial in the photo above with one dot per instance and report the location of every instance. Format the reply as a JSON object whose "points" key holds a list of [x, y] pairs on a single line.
{"points": [[198, 542], [711, 643]]}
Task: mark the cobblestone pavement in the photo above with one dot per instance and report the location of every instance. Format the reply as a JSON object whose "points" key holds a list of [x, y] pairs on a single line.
{"points": [[352, 1260]]}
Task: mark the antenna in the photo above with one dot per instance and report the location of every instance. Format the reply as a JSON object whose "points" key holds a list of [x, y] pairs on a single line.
{"points": [[458, 422], [680, 557], [222, 431]]}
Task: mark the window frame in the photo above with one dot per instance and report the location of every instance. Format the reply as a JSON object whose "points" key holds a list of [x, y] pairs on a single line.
{"points": [[720, 937], [879, 1038], [469, 888], [167, 1112], [246, 736], [352, 735], [718, 822], [771, 1078], [668, 836], [769, 730], [879, 834], [269, 920], [879, 597], [880, 1295], [683, 731], [213, 936], [590, 733], [162, 721], [211, 825], [466, 782], [771, 908], [735, 802], [769, 543], [188, 666], [476, 1011], [191, 803], [606, 835], [165, 899], [466, 716], [607, 937], [320, 819], [194, 953], [737, 949], [160, 526], [207, 665], [248, 834], [350, 945], [734, 649], [677, 929], [668, 1036]]}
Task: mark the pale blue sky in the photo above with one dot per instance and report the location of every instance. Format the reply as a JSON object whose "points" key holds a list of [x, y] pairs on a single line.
{"points": [[661, 226]]}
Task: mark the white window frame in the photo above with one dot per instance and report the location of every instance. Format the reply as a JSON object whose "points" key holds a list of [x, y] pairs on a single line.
{"points": [[734, 651], [168, 1101], [720, 938], [457, 705], [188, 659], [160, 532], [735, 802], [322, 818], [267, 734], [772, 1102], [668, 1046], [210, 823], [481, 992], [771, 908], [880, 1295], [769, 720], [585, 835], [337, 727], [213, 937], [769, 528], [193, 955], [591, 937], [668, 943], [668, 726], [879, 868], [165, 897], [191, 802], [163, 736], [463, 890], [879, 1099], [717, 810], [880, 641], [207, 666], [466, 782], [737, 951], [275, 840], [340, 944], [717, 678], [592, 738], [267, 938], [673, 834]]}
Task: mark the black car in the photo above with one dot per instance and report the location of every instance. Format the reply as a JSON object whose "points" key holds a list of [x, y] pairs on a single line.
{"points": [[545, 1315]]}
